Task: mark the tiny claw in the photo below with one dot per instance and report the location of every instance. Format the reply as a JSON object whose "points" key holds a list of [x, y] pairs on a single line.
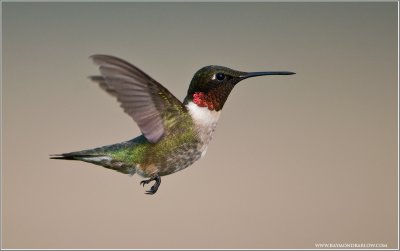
{"points": [[154, 188]]}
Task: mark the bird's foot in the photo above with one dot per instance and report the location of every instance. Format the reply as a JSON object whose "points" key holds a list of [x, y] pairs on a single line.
{"points": [[154, 188]]}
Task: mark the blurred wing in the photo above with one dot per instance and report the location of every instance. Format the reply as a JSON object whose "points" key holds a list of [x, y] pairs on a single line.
{"points": [[144, 99]]}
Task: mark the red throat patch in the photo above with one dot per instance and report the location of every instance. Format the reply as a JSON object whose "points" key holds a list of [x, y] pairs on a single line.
{"points": [[202, 100]]}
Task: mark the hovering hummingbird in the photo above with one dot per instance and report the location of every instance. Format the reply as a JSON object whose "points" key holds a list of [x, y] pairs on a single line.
{"points": [[174, 134]]}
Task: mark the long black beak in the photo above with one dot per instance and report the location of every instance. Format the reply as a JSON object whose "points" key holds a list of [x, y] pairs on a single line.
{"points": [[264, 73]]}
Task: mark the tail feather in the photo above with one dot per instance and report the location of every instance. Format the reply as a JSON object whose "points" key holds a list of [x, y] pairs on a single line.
{"points": [[80, 155], [71, 156], [92, 156], [101, 156]]}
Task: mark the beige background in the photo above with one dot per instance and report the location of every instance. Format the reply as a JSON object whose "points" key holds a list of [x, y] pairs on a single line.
{"points": [[295, 160]]}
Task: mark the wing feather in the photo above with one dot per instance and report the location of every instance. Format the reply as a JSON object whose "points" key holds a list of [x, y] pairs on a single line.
{"points": [[140, 96]]}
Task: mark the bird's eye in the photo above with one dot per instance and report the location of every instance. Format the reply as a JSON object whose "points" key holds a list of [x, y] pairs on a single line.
{"points": [[220, 76]]}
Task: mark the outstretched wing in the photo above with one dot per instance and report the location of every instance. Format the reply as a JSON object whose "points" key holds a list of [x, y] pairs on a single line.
{"points": [[144, 99]]}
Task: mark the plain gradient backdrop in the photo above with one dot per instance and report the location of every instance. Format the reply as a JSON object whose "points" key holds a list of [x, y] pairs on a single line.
{"points": [[295, 160]]}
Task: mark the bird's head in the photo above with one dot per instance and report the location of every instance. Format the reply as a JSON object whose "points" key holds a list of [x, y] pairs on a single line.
{"points": [[211, 85]]}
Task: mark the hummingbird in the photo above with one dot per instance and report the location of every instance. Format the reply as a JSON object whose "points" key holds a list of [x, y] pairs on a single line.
{"points": [[175, 134]]}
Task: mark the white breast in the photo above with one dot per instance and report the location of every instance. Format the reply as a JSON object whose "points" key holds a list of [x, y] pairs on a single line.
{"points": [[202, 115], [205, 121]]}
